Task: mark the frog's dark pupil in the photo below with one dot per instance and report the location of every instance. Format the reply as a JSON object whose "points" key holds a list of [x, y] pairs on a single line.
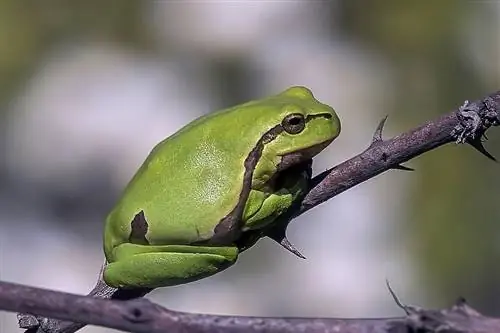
{"points": [[294, 121]]}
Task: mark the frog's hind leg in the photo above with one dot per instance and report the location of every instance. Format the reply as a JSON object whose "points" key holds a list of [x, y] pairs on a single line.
{"points": [[145, 266]]}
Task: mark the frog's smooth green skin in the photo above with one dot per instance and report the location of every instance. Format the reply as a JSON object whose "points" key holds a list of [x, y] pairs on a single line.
{"points": [[226, 173]]}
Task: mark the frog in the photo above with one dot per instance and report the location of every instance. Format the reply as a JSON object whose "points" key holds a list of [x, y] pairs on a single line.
{"points": [[183, 214]]}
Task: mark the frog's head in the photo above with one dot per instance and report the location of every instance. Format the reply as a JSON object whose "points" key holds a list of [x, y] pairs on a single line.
{"points": [[303, 128]]}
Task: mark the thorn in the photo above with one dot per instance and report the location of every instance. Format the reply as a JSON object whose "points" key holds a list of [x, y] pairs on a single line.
{"points": [[377, 136], [478, 145], [402, 167], [284, 242], [461, 301], [405, 308], [461, 304], [289, 246]]}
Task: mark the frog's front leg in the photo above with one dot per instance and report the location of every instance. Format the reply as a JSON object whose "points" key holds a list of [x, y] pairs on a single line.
{"points": [[265, 208], [146, 266]]}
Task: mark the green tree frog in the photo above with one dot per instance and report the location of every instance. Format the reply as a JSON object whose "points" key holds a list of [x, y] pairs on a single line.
{"points": [[198, 191]]}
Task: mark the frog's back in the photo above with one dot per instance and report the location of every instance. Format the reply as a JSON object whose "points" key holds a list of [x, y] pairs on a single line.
{"points": [[187, 184]]}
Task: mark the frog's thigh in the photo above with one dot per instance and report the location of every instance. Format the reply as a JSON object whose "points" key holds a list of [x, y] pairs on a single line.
{"points": [[272, 206], [161, 269]]}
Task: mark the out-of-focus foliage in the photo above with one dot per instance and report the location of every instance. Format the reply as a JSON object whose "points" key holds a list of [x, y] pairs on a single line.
{"points": [[145, 68], [28, 29], [453, 220], [410, 29]]}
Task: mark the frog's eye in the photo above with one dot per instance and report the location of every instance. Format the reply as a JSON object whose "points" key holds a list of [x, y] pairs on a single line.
{"points": [[294, 123]]}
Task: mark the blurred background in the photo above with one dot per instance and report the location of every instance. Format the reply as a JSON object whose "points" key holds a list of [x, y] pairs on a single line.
{"points": [[87, 88]]}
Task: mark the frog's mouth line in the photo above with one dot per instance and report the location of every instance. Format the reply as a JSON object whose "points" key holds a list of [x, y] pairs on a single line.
{"points": [[294, 165], [300, 156]]}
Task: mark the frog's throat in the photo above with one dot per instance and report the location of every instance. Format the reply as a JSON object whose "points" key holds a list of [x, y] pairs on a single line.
{"points": [[228, 230], [302, 155]]}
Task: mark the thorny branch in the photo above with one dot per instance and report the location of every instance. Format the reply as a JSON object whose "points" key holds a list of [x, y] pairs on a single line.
{"points": [[142, 316], [467, 125]]}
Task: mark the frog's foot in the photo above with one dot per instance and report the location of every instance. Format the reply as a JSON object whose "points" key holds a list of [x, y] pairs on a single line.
{"points": [[143, 266]]}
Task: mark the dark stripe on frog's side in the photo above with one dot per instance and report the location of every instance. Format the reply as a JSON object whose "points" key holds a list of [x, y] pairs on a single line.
{"points": [[228, 230], [139, 229]]}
